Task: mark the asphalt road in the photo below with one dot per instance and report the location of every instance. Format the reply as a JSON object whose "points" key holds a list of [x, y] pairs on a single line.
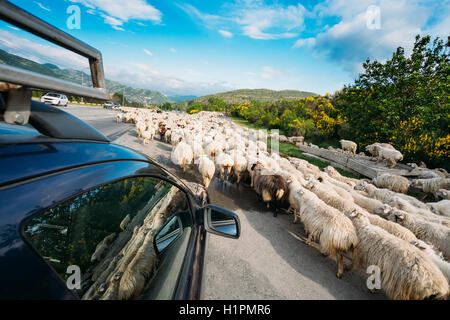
{"points": [[268, 261]]}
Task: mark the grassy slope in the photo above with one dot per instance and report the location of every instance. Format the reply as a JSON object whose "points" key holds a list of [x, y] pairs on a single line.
{"points": [[247, 95], [289, 150]]}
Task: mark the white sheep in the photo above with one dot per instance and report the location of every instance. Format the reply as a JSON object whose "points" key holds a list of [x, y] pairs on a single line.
{"points": [[182, 155], [406, 272], [432, 185], [349, 146], [391, 156], [332, 198], [326, 225], [443, 193], [385, 195], [437, 234], [225, 163], [206, 168], [392, 182], [442, 207], [332, 172], [240, 165], [148, 134], [435, 255]]}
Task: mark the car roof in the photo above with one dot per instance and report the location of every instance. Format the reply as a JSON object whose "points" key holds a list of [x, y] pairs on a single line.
{"points": [[25, 153]]}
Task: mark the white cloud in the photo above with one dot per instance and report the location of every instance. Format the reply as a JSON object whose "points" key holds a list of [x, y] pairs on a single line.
{"points": [[41, 53], [350, 42], [173, 50], [148, 52], [42, 6], [269, 72], [147, 76], [271, 22], [254, 18], [115, 23], [304, 42], [209, 20], [116, 12], [226, 34], [14, 28]]}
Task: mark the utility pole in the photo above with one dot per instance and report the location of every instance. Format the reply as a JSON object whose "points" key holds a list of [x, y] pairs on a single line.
{"points": [[123, 97]]}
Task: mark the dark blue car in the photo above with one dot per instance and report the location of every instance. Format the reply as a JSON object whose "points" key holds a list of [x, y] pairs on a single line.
{"points": [[84, 218], [80, 217]]}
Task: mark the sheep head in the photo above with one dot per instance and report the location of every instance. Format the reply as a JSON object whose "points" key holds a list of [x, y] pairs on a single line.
{"points": [[362, 186]]}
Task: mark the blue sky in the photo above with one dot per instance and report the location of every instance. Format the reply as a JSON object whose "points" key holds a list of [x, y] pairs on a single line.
{"points": [[200, 47]]}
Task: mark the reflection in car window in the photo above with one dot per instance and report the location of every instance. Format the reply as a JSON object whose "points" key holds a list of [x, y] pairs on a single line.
{"points": [[108, 233]]}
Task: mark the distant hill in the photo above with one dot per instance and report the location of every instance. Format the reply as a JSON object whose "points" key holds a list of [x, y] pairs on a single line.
{"points": [[246, 95], [178, 98], [131, 94]]}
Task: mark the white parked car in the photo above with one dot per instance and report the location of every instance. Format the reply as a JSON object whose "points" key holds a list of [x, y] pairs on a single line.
{"points": [[55, 99]]}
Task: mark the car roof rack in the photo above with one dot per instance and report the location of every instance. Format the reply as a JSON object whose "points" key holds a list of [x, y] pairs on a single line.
{"points": [[19, 83]]}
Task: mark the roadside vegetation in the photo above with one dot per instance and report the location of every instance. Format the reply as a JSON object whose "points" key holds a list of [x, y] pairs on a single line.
{"points": [[404, 101]]}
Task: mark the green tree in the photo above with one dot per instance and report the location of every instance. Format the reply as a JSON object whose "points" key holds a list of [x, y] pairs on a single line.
{"points": [[404, 101]]}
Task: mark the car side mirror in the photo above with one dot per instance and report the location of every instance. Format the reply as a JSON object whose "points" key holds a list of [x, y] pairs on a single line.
{"points": [[221, 222], [170, 231]]}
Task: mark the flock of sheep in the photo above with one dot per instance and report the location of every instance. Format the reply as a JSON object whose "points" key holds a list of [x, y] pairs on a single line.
{"points": [[373, 222]]}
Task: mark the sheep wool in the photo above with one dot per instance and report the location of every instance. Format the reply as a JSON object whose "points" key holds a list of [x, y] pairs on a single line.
{"points": [[406, 272]]}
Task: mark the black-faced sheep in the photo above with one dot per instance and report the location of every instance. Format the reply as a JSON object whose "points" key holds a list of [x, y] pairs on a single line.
{"points": [[268, 185]]}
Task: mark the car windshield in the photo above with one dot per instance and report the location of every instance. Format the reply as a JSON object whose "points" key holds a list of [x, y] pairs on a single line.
{"points": [[53, 95]]}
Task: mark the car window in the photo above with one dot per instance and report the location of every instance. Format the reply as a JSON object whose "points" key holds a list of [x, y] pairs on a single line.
{"points": [[108, 234]]}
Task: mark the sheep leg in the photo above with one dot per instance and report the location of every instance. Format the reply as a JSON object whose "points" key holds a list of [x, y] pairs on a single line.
{"points": [[222, 171], [228, 174], [340, 261]]}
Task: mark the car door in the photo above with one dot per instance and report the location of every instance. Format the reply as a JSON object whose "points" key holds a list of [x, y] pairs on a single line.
{"points": [[94, 237]]}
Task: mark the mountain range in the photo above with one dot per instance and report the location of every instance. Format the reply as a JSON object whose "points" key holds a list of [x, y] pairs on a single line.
{"points": [[131, 94]]}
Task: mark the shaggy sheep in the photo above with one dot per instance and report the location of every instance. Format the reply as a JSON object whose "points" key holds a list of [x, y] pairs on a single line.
{"points": [[212, 149], [138, 271], [331, 198], [385, 195], [206, 168], [349, 146], [148, 134], [333, 230], [240, 165], [101, 247], [392, 182], [391, 156], [432, 185], [443, 194], [373, 148], [442, 207], [182, 155], [268, 185], [332, 172], [406, 272], [435, 255], [125, 222], [437, 234], [119, 117], [225, 163]]}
